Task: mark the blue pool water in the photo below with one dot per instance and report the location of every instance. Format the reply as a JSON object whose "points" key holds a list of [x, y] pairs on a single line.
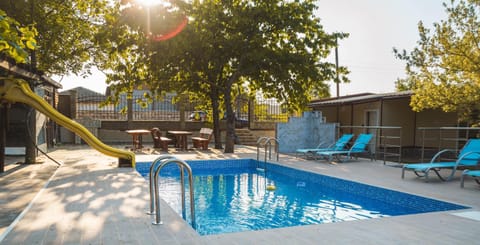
{"points": [[232, 196]]}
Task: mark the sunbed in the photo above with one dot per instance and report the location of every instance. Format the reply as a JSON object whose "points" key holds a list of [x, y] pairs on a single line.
{"points": [[469, 156], [359, 146], [472, 173], [339, 145]]}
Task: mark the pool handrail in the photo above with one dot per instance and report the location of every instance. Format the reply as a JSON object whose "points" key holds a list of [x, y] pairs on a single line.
{"points": [[259, 143], [267, 146], [269, 143], [182, 164], [151, 180]]}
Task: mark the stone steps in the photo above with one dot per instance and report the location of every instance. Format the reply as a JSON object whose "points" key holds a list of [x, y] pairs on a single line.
{"points": [[245, 137]]}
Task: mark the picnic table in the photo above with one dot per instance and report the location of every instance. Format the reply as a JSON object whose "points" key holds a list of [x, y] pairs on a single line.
{"points": [[180, 138], [137, 141]]}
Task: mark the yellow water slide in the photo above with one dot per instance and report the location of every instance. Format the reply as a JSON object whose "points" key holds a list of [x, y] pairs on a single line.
{"points": [[17, 90]]}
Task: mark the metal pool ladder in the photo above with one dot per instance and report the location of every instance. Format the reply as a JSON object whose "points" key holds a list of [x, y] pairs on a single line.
{"points": [[153, 168], [154, 187], [267, 143], [260, 141]]}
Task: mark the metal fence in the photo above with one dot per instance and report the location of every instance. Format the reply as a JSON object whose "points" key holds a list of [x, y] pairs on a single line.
{"points": [[268, 110], [166, 109], [386, 142], [435, 139]]}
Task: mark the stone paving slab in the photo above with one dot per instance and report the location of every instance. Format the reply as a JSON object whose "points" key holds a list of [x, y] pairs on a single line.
{"points": [[19, 184], [91, 201]]}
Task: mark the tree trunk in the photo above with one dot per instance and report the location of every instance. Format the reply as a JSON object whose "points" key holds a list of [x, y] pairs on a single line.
{"points": [[230, 134], [31, 137], [216, 118], [3, 133]]}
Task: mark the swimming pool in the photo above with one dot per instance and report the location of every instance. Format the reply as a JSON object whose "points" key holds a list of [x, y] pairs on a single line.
{"points": [[232, 196]]}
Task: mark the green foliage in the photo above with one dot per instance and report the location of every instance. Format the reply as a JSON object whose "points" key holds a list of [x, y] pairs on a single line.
{"points": [[443, 70], [276, 47], [128, 45], [15, 40], [66, 41]]}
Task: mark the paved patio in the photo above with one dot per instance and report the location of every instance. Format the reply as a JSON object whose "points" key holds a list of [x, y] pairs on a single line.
{"points": [[88, 200]]}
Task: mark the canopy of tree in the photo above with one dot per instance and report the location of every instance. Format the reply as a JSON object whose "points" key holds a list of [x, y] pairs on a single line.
{"points": [[67, 31], [443, 70], [276, 47]]}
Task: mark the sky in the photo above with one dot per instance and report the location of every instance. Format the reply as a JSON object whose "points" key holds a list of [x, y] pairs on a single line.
{"points": [[375, 28]]}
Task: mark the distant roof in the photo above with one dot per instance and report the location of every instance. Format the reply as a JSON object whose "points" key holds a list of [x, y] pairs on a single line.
{"points": [[359, 98], [85, 94]]}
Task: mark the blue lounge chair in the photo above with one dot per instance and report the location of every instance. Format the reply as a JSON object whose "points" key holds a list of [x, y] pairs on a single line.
{"points": [[339, 145], [358, 147], [469, 156], [472, 173]]}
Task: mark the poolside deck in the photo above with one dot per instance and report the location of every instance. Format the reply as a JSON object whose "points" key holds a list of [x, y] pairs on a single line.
{"points": [[88, 200]]}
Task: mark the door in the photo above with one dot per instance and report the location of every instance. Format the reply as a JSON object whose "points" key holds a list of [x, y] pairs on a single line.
{"points": [[372, 120]]}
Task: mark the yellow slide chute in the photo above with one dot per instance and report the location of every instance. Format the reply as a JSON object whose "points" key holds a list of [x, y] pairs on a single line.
{"points": [[17, 90]]}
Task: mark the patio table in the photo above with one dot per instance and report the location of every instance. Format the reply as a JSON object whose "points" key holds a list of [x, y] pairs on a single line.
{"points": [[137, 142], [180, 138]]}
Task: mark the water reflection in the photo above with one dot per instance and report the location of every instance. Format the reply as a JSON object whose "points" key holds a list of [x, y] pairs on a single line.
{"points": [[240, 201]]}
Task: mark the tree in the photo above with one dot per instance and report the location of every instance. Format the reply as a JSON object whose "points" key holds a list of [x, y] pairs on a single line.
{"points": [[15, 42], [66, 41], [277, 47], [443, 70]]}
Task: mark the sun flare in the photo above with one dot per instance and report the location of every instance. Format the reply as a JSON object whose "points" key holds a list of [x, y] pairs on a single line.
{"points": [[149, 3]]}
